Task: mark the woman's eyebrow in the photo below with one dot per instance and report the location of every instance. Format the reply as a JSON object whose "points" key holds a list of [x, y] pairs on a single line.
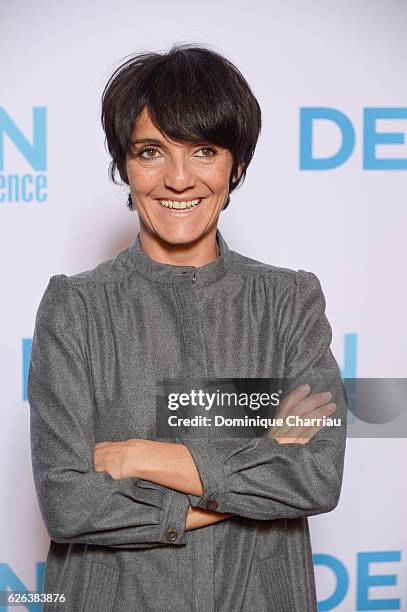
{"points": [[157, 141], [145, 140]]}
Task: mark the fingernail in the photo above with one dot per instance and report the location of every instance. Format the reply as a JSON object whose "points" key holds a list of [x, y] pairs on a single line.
{"points": [[332, 407], [326, 395], [304, 388]]}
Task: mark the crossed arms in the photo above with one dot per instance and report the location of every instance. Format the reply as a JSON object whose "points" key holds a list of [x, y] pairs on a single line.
{"points": [[166, 489]]}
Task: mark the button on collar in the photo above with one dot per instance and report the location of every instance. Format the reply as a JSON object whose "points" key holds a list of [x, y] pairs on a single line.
{"points": [[169, 273]]}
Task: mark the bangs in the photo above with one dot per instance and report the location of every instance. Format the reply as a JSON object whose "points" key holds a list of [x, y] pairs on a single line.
{"points": [[188, 104]]}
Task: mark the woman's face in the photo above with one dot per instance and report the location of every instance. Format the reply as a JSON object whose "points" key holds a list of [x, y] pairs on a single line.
{"points": [[164, 173]]}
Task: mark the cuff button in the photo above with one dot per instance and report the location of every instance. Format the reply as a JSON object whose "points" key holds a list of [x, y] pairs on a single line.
{"points": [[171, 534], [211, 504]]}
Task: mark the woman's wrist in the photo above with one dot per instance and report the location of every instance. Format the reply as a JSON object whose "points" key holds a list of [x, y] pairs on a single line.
{"points": [[201, 518], [168, 464]]}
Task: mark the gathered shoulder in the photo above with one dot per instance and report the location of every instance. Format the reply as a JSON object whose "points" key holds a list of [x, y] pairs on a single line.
{"points": [[108, 271], [247, 265]]}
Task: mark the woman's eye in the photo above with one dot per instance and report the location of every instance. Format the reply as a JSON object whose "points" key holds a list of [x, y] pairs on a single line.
{"points": [[149, 150], [211, 151], [151, 153]]}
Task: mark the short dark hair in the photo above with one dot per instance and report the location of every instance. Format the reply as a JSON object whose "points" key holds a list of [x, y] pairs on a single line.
{"points": [[192, 93]]}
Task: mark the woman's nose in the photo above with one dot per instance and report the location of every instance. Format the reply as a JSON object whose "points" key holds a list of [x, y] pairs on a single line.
{"points": [[179, 176]]}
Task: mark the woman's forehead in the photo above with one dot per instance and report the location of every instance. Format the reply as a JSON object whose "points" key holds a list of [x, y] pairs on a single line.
{"points": [[145, 131], [144, 125]]}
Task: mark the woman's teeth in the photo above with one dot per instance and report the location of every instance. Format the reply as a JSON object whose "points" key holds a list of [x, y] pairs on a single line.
{"points": [[179, 205]]}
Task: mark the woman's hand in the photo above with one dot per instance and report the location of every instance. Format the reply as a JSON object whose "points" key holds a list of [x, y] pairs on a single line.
{"points": [[299, 402], [201, 518], [111, 457], [168, 464]]}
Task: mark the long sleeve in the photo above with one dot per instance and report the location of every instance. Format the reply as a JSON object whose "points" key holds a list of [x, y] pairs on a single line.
{"points": [[78, 504], [258, 477]]}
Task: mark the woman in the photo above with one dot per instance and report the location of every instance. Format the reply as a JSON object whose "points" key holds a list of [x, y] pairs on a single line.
{"points": [[196, 524]]}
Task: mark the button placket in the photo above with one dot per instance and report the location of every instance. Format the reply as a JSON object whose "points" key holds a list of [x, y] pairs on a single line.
{"points": [[189, 299]]}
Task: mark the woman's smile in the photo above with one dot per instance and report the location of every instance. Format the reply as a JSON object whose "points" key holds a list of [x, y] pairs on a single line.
{"points": [[179, 208]]}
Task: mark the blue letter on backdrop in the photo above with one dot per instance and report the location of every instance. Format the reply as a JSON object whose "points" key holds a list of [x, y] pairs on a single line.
{"points": [[35, 153], [372, 138], [342, 581], [307, 116], [365, 580]]}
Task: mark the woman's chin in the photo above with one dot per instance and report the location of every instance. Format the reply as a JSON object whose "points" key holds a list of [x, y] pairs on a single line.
{"points": [[179, 235]]}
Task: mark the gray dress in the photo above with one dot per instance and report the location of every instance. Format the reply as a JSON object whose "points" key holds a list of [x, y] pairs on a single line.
{"points": [[102, 337]]}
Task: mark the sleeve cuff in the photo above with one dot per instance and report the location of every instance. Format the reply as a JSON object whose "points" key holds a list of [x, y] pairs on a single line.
{"points": [[212, 476], [175, 511]]}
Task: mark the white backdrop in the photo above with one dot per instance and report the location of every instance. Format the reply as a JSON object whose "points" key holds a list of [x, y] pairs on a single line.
{"points": [[347, 224]]}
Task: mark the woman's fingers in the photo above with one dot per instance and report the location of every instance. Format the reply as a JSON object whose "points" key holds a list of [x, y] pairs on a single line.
{"points": [[299, 403], [308, 433], [292, 399], [303, 434], [311, 403]]}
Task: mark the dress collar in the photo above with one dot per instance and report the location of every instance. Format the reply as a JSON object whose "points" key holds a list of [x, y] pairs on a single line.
{"points": [[171, 273]]}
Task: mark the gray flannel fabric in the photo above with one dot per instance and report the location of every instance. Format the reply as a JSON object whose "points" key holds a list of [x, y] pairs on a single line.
{"points": [[102, 337]]}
